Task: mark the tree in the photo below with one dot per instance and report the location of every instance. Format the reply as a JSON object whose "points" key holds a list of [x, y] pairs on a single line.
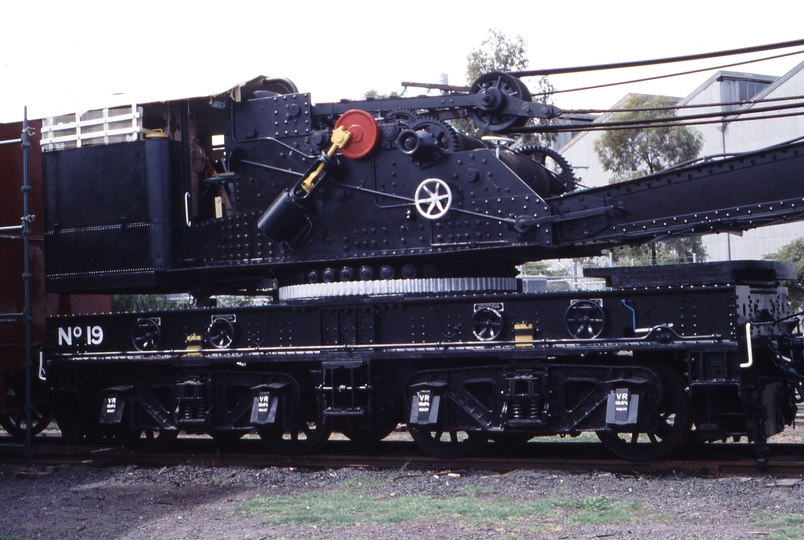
{"points": [[643, 151], [496, 53], [142, 302], [793, 252], [539, 268], [374, 94], [499, 53], [630, 153]]}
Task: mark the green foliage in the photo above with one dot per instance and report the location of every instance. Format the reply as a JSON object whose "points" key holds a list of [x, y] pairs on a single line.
{"points": [[600, 510], [142, 302], [794, 253], [475, 491], [374, 94], [496, 53], [475, 506], [631, 153], [235, 301], [784, 526], [349, 507], [646, 150], [540, 268]]}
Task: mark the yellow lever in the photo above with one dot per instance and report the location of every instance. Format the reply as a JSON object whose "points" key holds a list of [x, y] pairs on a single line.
{"points": [[339, 139]]}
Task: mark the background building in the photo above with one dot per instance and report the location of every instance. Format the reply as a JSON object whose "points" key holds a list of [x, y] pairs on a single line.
{"points": [[754, 128]]}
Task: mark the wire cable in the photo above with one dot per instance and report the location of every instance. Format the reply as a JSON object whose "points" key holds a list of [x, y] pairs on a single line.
{"points": [[684, 107], [658, 61], [667, 76], [645, 124]]}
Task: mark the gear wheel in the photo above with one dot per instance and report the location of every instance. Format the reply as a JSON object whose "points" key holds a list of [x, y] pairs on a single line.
{"points": [[446, 138], [553, 162], [406, 116], [396, 287]]}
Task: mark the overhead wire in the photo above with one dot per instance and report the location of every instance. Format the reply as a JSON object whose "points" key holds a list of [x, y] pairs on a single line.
{"points": [[684, 107], [452, 88], [739, 113], [562, 128], [657, 61], [672, 120], [668, 75]]}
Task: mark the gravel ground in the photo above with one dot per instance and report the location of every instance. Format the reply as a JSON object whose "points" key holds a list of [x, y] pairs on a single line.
{"points": [[183, 502]]}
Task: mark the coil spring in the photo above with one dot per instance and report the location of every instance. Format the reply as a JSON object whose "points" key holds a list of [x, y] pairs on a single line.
{"points": [[516, 410], [522, 409], [535, 410], [192, 409]]}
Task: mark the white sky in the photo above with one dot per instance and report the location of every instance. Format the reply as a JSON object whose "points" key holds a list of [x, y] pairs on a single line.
{"points": [[63, 56]]}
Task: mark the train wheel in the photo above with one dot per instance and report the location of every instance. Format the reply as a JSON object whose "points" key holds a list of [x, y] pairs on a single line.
{"points": [[360, 434], [16, 424], [447, 444], [672, 427], [304, 438], [145, 441], [512, 440], [227, 437]]}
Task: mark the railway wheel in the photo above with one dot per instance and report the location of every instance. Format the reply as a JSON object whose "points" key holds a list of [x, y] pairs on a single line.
{"points": [[671, 429], [146, 441], [302, 438], [16, 423], [379, 430], [446, 444], [512, 440], [227, 437]]}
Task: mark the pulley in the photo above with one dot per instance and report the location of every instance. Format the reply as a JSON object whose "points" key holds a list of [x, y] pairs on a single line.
{"points": [[363, 133]]}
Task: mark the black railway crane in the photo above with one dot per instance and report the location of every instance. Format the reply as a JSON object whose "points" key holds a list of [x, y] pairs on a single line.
{"points": [[387, 244]]}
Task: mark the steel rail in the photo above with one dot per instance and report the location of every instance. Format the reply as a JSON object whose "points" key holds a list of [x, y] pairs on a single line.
{"points": [[574, 458]]}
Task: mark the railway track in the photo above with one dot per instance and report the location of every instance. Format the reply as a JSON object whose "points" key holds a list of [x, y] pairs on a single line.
{"points": [[574, 457]]}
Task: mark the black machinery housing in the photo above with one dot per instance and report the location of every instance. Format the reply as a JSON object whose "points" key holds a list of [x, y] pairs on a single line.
{"points": [[389, 262]]}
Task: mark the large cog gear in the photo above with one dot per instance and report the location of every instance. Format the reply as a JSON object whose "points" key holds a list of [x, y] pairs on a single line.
{"points": [[397, 287], [553, 162], [406, 116], [446, 137]]}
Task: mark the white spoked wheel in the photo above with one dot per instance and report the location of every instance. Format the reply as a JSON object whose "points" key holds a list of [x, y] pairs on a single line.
{"points": [[433, 198]]}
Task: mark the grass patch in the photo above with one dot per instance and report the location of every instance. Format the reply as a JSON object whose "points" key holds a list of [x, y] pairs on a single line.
{"points": [[349, 507], [369, 481], [475, 491], [601, 510], [783, 526], [662, 517], [786, 534], [355, 505]]}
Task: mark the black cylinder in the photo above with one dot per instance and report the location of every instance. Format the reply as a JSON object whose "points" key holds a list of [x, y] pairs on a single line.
{"points": [[284, 219]]}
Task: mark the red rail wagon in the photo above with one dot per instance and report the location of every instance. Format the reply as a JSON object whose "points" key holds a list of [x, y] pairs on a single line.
{"points": [[12, 268]]}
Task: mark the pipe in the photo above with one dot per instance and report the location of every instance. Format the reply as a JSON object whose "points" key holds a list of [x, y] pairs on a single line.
{"points": [[26, 234], [749, 347]]}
